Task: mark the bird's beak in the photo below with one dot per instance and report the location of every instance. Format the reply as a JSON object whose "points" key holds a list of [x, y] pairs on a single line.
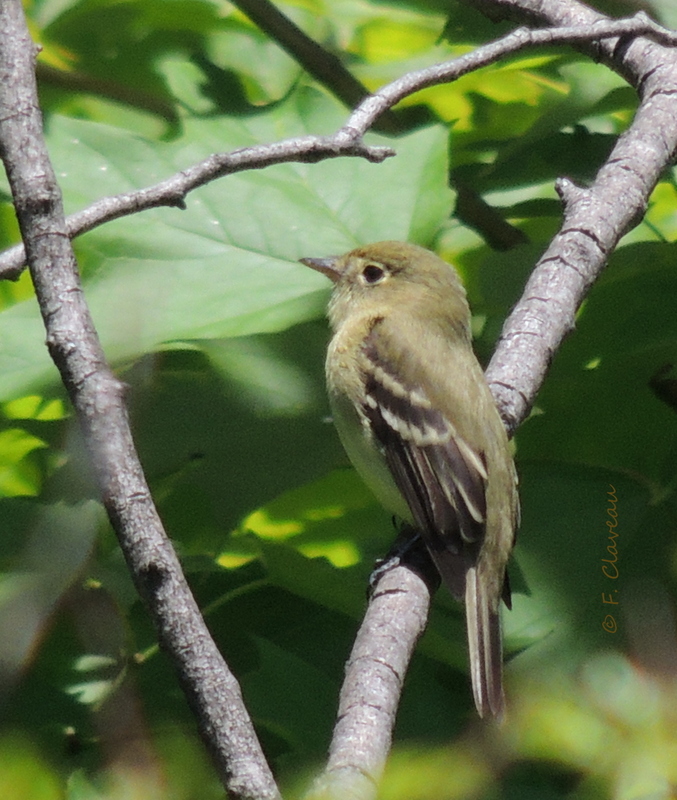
{"points": [[327, 266]]}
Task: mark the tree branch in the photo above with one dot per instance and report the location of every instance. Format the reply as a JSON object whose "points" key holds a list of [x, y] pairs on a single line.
{"points": [[97, 396], [394, 621], [515, 42], [595, 218], [172, 191]]}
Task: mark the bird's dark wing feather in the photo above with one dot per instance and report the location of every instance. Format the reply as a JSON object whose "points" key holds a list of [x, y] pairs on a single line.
{"points": [[442, 479]]}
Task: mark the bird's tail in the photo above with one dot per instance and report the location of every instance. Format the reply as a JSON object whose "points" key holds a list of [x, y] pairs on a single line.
{"points": [[486, 651]]}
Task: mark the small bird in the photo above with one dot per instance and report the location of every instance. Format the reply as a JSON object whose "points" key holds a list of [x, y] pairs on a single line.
{"points": [[418, 421]]}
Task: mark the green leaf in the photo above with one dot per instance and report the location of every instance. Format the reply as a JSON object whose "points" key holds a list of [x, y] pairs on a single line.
{"points": [[599, 389], [225, 266], [24, 773]]}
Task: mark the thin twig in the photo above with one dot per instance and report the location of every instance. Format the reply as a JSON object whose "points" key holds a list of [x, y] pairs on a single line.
{"points": [[515, 42], [346, 142], [172, 191], [572, 13]]}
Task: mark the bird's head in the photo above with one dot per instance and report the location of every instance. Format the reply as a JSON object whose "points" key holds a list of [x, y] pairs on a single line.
{"points": [[383, 277]]}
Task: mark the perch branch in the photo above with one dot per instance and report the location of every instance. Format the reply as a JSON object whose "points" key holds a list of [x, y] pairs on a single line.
{"points": [[395, 619]]}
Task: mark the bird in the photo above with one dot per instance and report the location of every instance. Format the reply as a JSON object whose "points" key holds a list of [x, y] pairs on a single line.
{"points": [[418, 421]]}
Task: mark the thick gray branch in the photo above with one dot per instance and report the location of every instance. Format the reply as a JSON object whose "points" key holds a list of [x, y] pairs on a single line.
{"points": [[595, 218], [395, 619], [97, 396]]}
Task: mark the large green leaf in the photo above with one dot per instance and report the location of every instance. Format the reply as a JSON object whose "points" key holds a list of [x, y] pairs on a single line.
{"points": [[226, 265]]}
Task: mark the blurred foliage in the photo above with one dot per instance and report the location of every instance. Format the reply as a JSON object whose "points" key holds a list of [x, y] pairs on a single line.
{"points": [[220, 336]]}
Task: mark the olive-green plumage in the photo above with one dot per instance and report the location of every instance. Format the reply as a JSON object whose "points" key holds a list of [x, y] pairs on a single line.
{"points": [[418, 422]]}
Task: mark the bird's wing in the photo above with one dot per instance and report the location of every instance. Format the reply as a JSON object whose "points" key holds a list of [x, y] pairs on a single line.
{"points": [[443, 479]]}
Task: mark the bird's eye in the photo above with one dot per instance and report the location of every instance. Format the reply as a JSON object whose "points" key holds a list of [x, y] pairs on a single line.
{"points": [[372, 273]]}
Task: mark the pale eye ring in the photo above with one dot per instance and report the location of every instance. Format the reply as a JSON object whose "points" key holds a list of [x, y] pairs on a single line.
{"points": [[372, 273]]}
